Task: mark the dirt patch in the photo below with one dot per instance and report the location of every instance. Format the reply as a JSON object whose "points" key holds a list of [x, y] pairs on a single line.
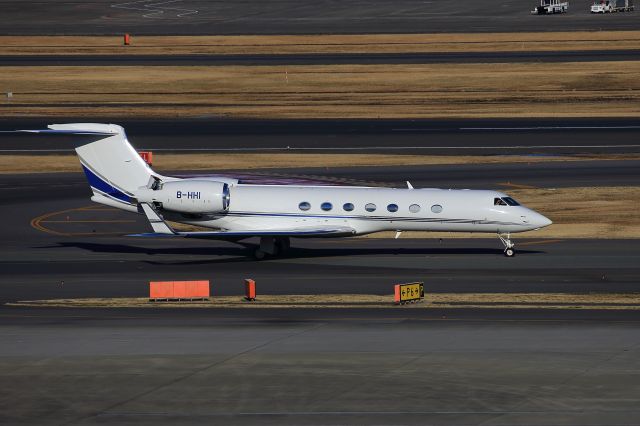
{"points": [[313, 44], [331, 91], [629, 301]]}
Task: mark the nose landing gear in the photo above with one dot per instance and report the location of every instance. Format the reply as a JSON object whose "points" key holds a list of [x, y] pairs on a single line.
{"points": [[509, 250]]}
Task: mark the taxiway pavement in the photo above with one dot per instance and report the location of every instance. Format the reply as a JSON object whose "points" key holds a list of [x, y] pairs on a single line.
{"points": [[431, 137], [96, 367], [319, 59], [191, 17]]}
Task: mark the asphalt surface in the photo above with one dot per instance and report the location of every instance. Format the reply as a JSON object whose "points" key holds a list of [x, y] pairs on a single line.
{"points": [[318, 59], [431, 137], [296, 17], [89, 368]]}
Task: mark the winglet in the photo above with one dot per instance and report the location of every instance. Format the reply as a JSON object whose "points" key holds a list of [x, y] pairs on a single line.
{"points": [[157, 222], [409, 185]]}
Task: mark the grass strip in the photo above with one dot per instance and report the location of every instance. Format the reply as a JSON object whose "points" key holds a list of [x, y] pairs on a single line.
{"points": [[314, 44], [15, 164], [606, 301], [592, 89]]}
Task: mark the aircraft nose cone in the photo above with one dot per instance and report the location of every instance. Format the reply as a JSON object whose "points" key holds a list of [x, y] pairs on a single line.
{"points": [[542, 221]]}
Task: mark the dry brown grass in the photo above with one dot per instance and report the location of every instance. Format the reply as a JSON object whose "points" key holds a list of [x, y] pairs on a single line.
{"points": [[310, 44], [332, 91], [12, 164], [629, 301]]}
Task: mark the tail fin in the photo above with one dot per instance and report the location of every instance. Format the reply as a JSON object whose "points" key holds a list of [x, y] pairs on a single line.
{"points": [[112, 166]]}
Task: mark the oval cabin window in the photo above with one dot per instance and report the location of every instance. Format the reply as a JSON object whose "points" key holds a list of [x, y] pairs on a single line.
{"points": [[436, 208], [414, 208], [348, 207], [304, 206], [392, 208], [326, 206], [370, 207]]}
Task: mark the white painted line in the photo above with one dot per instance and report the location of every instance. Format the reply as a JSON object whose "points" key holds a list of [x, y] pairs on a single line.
{"points": [[554, 128], [373, 148], [155, 10], [519, 128]]}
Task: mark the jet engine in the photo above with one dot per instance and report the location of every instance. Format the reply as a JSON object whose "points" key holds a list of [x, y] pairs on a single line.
{"points": [[187, 196]]}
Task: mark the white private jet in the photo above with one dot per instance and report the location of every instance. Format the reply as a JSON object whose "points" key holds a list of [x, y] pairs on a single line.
{"points": [[120, 178]]}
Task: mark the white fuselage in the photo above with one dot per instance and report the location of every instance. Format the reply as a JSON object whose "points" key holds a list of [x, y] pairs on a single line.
{"points": [[278, 207]]}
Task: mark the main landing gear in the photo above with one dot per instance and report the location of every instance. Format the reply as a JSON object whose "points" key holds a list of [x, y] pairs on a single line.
{"points": [[272, 247], [509, 250]]}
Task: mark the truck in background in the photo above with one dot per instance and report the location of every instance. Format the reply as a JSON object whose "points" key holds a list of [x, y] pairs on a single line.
{"points": [[610, 6], [551, 6]]}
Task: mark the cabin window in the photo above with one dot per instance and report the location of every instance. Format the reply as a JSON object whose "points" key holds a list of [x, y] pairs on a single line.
{"points": [[392, 208], [414, 208], [326, 206], [347, 207], [370, 207], [436, 208], [304, 206]]}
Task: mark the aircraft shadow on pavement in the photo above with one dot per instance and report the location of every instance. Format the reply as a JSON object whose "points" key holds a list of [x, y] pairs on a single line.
{"points": [[244, 252]]}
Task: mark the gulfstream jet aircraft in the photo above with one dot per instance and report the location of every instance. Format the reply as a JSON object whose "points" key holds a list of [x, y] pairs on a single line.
{"points": [[275, 213]]}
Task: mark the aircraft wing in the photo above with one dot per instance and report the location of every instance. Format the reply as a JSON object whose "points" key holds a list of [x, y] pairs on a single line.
{"points": [[310, 232], [162, 229]]}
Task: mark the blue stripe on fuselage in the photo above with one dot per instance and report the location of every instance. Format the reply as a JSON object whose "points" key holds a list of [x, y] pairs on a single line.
{"points": [[96, 182]]}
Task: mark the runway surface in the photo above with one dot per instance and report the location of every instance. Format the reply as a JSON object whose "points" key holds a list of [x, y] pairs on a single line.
{"points": [[296, 17], [89, 368], [448, 137], [318, 59]]}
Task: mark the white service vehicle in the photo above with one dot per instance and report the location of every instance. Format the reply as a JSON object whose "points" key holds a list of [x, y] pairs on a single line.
{"points": [[120, 178], [610, 6], [551, 6]]}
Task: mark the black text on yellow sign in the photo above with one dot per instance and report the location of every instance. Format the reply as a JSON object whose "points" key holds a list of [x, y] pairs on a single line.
{"points": [[410, 292]]}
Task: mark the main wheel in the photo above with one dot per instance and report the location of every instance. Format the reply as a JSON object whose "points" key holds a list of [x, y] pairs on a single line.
{"points": [[509, 252]]}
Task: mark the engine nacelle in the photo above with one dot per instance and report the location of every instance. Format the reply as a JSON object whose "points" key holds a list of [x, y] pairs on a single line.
{"points": [[188, 196]]}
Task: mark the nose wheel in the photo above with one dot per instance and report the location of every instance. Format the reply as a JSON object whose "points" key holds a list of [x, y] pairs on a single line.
{"points": [[509, 250]]}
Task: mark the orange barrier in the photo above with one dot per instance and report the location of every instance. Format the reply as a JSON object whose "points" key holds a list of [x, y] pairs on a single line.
{"points": [[127, 39], [147, 156], [250, 289], [178, 290]]}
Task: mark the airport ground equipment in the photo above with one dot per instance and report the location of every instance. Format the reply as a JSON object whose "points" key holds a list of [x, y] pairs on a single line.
{"points": [[147, 156], [548, 7], [408, 293], [178, 290], [249, 289], [610, 6]]}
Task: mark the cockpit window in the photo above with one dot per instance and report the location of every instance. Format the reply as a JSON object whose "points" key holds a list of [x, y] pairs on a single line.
{"points": [[511, 201], [505, 201]]}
